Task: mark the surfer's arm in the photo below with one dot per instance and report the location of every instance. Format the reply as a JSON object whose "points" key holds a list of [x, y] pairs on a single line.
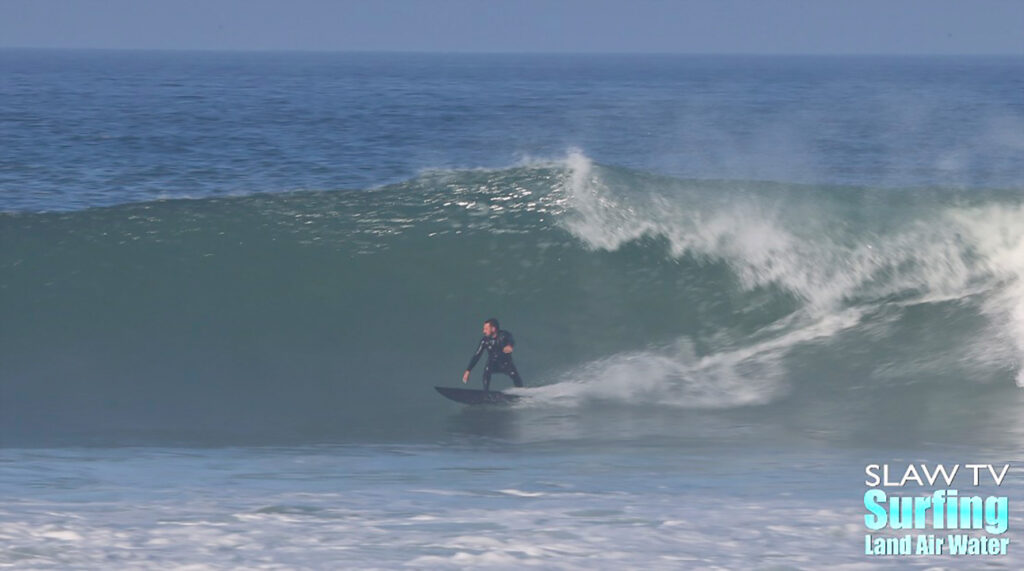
{"points": [[476, 356], [510, 343]]}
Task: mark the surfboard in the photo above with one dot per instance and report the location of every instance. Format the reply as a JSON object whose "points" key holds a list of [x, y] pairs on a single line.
{"points": [[474, 396]]}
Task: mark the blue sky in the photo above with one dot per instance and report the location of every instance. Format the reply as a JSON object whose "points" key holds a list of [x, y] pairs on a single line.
{"points": [[681, 26]]}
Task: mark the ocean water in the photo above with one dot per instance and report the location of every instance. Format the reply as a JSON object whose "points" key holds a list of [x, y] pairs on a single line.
{"points": [[230, 281]]}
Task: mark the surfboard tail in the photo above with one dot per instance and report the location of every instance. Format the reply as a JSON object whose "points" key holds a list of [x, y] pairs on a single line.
{"points": [[475, 396]]}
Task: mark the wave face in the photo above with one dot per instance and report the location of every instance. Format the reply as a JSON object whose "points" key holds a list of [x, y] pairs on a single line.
{"points": [[325, 316]]}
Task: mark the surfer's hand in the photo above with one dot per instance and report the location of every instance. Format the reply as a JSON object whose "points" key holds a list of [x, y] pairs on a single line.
{"points": [[507, 349], [465, 377]]}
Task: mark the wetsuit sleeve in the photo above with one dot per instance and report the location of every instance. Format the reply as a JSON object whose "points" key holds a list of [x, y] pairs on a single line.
{"points": [[476, 356], [508, 340]]}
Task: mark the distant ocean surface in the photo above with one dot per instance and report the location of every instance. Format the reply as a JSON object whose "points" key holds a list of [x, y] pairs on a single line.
{"points": [[230, 281]]}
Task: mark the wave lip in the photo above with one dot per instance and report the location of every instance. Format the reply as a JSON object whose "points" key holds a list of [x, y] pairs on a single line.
{"points": [[834, 249]]}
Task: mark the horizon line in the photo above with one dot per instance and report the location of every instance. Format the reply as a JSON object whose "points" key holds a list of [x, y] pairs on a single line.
{"points": [[506, 52]]}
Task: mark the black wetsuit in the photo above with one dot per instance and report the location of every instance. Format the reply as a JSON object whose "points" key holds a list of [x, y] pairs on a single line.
{"points": [[497, 360]]}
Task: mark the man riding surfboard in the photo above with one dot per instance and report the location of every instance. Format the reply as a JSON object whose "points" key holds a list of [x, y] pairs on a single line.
{"points": [[499, 345]]}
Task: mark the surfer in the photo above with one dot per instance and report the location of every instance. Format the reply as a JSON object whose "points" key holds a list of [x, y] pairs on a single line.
{"points": [[499, 345]]}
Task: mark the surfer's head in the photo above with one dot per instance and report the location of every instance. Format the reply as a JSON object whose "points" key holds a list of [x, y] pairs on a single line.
{"points": [[491, 327]]}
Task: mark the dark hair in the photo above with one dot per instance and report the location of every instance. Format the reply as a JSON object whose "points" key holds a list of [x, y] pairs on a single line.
{"points": [[493, 322]]}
